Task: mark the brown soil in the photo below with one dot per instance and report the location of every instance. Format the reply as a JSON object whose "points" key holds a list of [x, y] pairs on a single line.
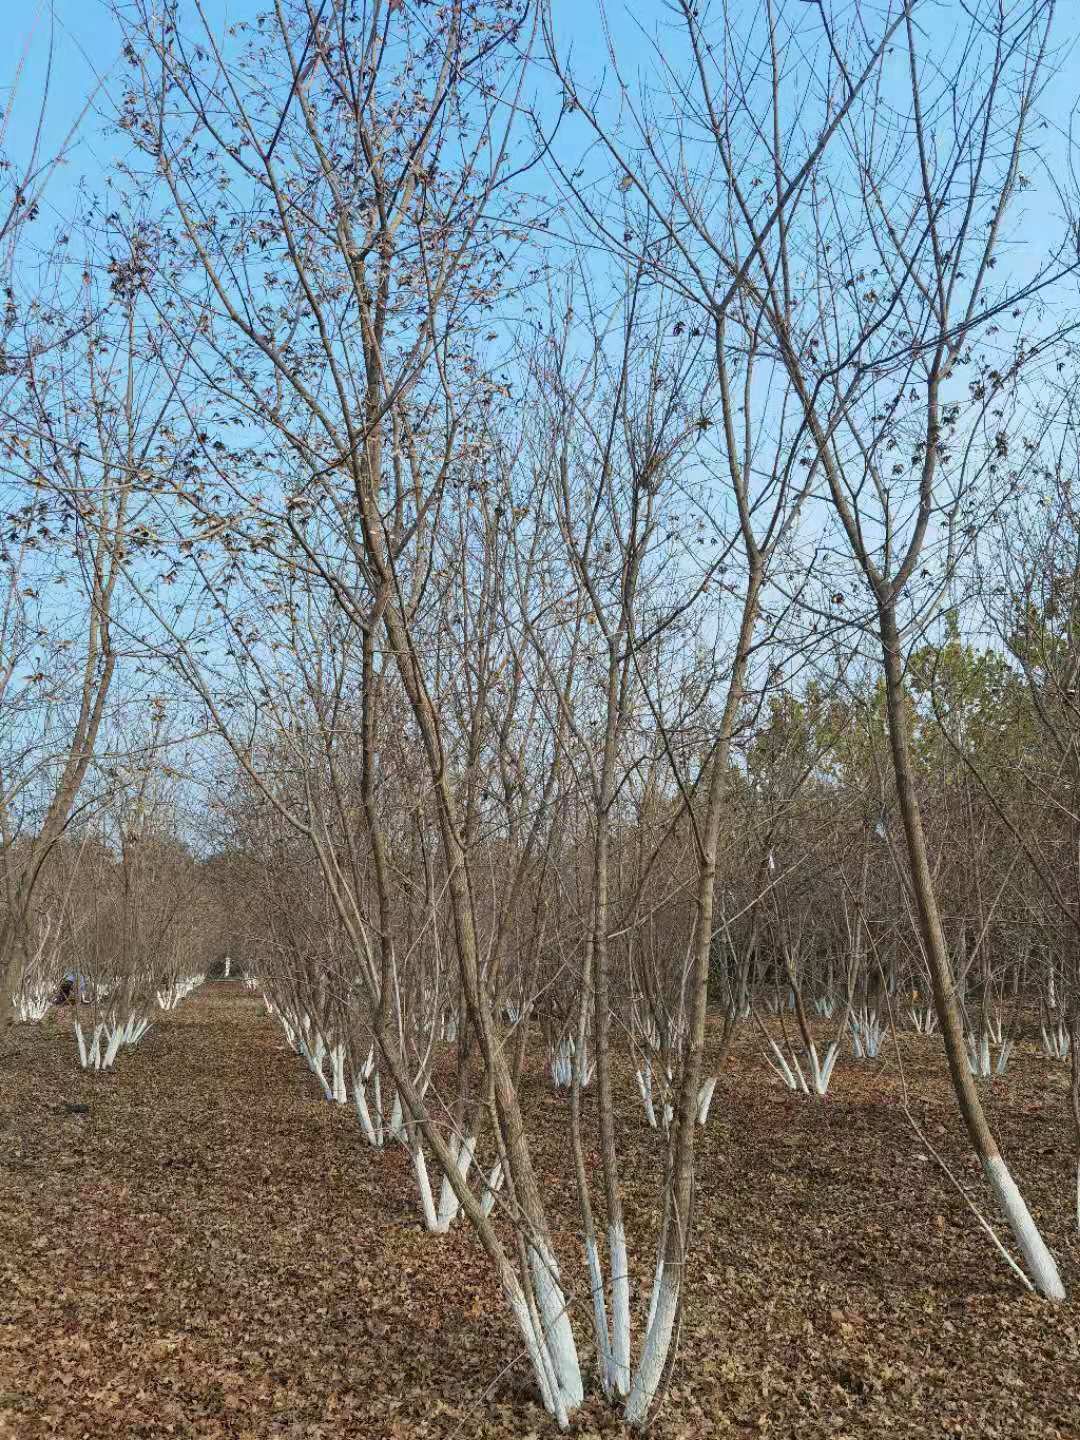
{"points": [[213, 1251]]}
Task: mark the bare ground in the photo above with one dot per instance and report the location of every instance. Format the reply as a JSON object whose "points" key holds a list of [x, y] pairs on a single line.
{"points": [[213, 1251]]}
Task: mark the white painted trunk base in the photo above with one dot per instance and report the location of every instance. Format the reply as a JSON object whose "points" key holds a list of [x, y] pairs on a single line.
{"points": [[432, 1220], [562, 1064], [492, 1187], [337, 1072], [550, 1392], [1038, 1262], [645, 1086], [106, 1040], [449, 1204], [620, 1310], [867, 1033], [557, 1330], [600, 1320], [983, 1063], [663, 1305], [819, 1071], [177, 989], [923, 1019], [34, 999], [1056, 1041]]}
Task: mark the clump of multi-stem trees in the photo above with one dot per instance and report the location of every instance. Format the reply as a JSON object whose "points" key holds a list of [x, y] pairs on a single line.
{"points": [[555, 637]]}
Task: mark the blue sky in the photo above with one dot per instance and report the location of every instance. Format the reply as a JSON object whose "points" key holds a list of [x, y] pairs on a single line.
{"points": [[87, 48]]}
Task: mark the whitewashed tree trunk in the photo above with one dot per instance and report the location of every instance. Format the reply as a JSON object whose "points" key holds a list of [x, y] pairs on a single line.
{"points": [[337, 1069], [562, 1063], [552, 1393], [179, 987], [492, 1187], [1038, 1261], [90, 1054], [1056, 1043], [663, 1307], [557, 1331], [791, 1074], [432, 1220], [397, 1120], [620, 1310], [645, 1086], [314, 1052], [820, 1071], [923, 1019], [705, 1099], [370, 1123], [449, 1205], [34, 1000], [984, 1065], [867, 1033]]}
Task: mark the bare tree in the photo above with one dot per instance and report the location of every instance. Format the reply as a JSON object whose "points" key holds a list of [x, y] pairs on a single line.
{"points": [[872, 273]]}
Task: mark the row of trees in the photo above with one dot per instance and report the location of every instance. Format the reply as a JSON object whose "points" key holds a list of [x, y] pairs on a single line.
{"points": [[567, 617]]}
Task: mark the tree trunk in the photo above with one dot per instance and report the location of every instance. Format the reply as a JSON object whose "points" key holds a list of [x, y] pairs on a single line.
{"points": [[1040, 1264]]}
